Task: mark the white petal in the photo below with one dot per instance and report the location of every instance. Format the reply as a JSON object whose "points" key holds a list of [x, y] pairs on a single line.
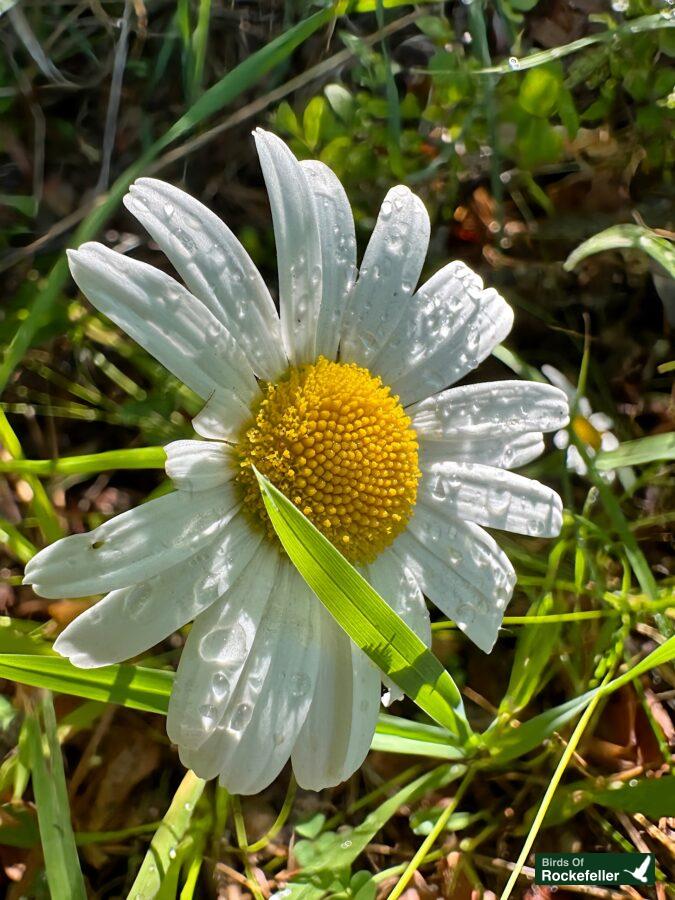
{"points": [[215, 267], [338, 253], [490, 410], [341, 721], [448, 328], [492, 497], [600, 421], [171, 324], [296, 234], [131, 620], [199, 465], [240, 713], [396, 584], [501, 452], [609, 441], [133, 546], [217, 649], [461, 569], [556, 377], [561, 439], [389, 272]]}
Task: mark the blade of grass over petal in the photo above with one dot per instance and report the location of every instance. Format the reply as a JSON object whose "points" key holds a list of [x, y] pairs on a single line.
{"points": [[133, 686], [626, 237], [162, 851], [219, 95], [365, 616], [51, 800]]}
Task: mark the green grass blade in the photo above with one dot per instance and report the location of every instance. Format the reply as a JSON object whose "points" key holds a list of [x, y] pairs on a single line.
{"points": [[365, 616], [51, 800], [636, 557], [628, 237], [635, 453], [89, 463], [509, 743], [541, 57], [133, 686], [163, 847], [232, 85]]}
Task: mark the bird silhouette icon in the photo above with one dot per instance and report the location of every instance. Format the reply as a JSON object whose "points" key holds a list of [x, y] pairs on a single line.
{"points": [[641, 872]]}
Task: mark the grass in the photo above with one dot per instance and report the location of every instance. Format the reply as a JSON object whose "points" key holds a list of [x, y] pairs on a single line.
{"points": [[563, 737]]}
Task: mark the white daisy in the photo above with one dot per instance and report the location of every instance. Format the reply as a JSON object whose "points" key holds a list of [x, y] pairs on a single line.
{"points": [[342, 402], [593, 429]]}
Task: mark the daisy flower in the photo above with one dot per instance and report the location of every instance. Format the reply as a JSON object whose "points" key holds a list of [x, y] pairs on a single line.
{"points": [[592, 428], [342, 401]]}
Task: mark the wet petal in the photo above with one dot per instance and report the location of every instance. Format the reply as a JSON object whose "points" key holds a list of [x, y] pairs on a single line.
{"points": [[238, 712], [296, 234], [389, 272], [341, 721], [338, 253], [199, 465], [215, 267], [490, 410], [133, 546], [172, 325], [500, 452], [461, 569], [448, 328], [131, 620], [492, 497]]}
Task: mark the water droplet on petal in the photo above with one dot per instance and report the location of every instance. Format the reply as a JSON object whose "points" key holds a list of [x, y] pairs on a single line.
{"points": [[241, 717]]}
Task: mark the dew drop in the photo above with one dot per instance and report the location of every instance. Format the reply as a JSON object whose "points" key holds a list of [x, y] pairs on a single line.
{"points": [[514, 63], [241, 717], [220, 686], [345, 845], [208, 713], [172, 853], [224, 644], [300, 684]]}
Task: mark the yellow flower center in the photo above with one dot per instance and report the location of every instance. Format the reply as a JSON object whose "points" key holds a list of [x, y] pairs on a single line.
{"points": [[332, 438], [586, 433]]}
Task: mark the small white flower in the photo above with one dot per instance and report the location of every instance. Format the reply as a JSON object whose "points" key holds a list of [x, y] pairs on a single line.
{"points": [[343, 402], [592, 429]]}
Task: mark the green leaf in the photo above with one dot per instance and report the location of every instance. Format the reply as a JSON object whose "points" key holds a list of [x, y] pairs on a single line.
{"points": [[51, 800], [368, 620], [341, 101], [163, 850], [652, 797], [635, 453], [133, 686], [333, 851], [538, 94], [626, 237], [533, 653], [395, 735], [313, 119]]}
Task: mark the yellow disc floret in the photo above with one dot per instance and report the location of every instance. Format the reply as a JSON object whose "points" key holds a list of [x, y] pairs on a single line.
{"points": [[335, 441]]}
